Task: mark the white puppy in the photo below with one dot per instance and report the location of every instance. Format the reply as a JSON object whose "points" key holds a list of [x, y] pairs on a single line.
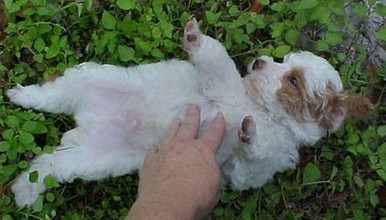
{"points": [[121, 111]]}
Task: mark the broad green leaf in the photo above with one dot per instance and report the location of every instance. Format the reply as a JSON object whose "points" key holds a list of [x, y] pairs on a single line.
{"points": [[277, 29], [278, 6], [321, 45], [11, 6], [34, 127], [156, 32], [26, 138], [381, 33], [52, 51], [167, 29], [3, 158], [6, 217], [4, 146], [311, 174], [233, 10], [50, 197], [249, 209], [8, 170], [358, 181], [145, 46], [347, 167], [22, 164], [117, 198], [12, 121], [38, 204], [108, 20], [333, 38], [39, 44], [42, 11], [282, 50], [44, 28], [382, 152], [125, 53], [381, 130], [380, 9], [12, 153], [321, 14], [292, 36], [307, 4], [126, 4], [157, 53], [381, 173], [211, 17], [360, 10], [29, 11], [38, 58], [353, 138], [300, 19], [50, 182], [34, 176], [8, 134]]}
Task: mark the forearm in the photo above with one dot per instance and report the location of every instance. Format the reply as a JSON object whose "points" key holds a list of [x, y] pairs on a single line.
{"points": [[158, 209]]}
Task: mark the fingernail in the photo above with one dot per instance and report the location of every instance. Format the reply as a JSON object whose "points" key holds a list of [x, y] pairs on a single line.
{"points": [[219, 115]]}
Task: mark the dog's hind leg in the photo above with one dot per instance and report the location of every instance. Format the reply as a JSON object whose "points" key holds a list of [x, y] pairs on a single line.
{"points": [[218, 75], [66, 164], [50, 97]]}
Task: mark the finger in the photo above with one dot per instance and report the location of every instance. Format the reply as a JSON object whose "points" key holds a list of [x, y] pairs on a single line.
{"points": [[215, 133], [189, 126], [152, 150], [171, 132]]}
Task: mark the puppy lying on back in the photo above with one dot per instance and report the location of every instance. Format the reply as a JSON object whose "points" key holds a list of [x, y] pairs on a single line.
{"points": [[120, 111]]}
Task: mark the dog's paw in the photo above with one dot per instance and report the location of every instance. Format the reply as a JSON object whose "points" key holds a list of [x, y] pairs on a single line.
{"points": [[16, 94], [26, 193], [247, 130], [192, 36], [21, 95]]}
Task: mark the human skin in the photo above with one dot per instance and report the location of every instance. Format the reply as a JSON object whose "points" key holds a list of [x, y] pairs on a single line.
{"points": [[180, 178]]}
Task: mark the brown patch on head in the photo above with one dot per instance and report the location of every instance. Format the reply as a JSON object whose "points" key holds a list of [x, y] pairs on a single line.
{"points": [[293, 95], [325, 110]]}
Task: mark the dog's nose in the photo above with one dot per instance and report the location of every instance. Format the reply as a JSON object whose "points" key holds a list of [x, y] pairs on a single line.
{"points": [[258, 64]]}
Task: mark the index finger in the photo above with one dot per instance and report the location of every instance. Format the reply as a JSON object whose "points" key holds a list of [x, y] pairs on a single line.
{"points": [[190, 124], [213, 137]]}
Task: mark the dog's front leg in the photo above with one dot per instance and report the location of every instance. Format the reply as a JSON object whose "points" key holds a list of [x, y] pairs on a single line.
{"points": [[218, 76]]}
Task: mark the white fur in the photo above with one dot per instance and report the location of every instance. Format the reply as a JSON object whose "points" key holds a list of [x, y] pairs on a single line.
{"points": [[120, 111]]}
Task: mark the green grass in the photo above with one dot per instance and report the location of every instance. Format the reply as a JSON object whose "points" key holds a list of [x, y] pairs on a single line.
{"points": [[342, 177]]}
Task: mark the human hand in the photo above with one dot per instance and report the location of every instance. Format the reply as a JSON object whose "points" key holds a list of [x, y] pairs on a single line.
{"points": [[181, 179]]}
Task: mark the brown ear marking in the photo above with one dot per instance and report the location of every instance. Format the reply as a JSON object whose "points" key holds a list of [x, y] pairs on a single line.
{"points": [[358, 106]]}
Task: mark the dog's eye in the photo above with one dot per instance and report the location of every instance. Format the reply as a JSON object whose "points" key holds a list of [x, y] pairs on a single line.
{"points": [[293, 81]]}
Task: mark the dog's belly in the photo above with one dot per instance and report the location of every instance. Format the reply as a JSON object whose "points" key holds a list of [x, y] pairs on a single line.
{"points": [[128, 114]]}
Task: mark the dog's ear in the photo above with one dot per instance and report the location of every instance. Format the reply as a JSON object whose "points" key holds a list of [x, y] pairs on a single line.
{"points": [[341, 107], [334, 114], [358, 106]]}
